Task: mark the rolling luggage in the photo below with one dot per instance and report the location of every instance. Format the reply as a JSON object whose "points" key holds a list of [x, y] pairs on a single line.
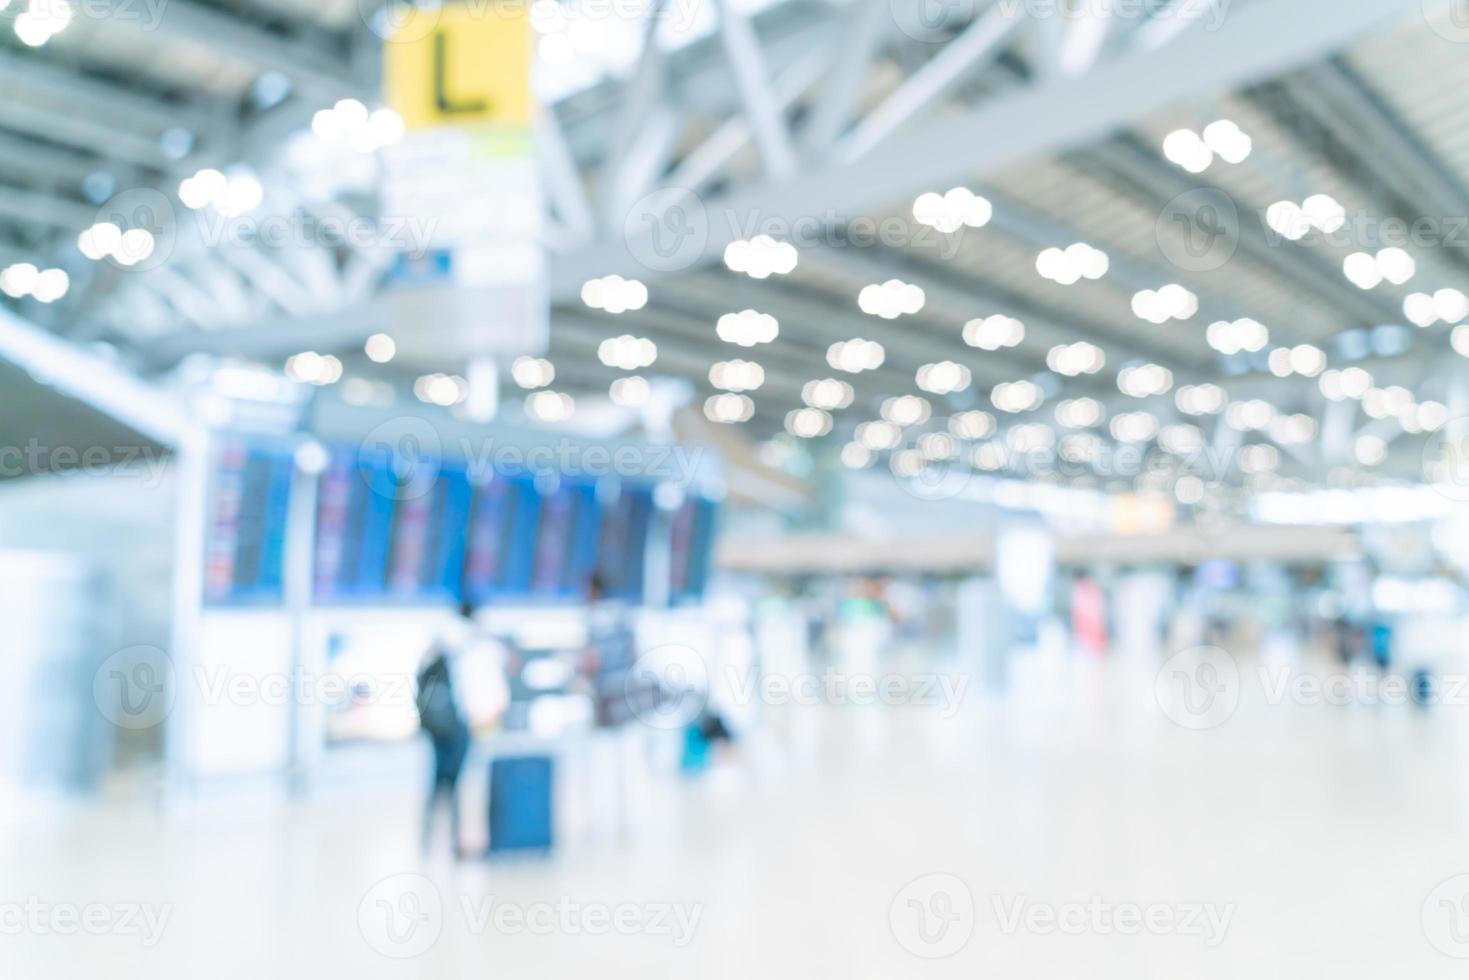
{"points": [[521, 803]]}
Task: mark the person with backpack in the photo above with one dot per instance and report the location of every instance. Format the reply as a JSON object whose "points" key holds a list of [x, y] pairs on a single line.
{"points": [[441, 718]]}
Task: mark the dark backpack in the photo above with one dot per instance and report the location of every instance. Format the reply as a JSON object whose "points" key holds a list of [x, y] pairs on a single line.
{"points": [[437, 713]]}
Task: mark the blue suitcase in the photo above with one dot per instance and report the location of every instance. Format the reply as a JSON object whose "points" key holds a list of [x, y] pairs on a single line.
{"points": [[521, 803]]}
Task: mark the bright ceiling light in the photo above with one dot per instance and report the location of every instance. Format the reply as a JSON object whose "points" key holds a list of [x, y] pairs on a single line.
{"points": [[736, 375], [906, 410], [1134, 426], [1202, 399], [1249, 415], [1072, 264], [1017, 396], [994, 332], [309, 367], [1369, 450], [1079, 413], [51, 285], [614, 294], [1324, 213], [626, 352], [41, 21], [856, 456], [380, 348], [532, 372], [1170, 302], [1361, 270], [1451, 305], [828, 394], [890, 299], [1292, 430], [808, 423], [943, 377], [958, 208], [1075, 359], [1225, 138], [729, 408], [1233, 336], [1419, 310], [972, 424], [1258, 458], [19, 279], [630, 392], [1185, 148], [856, 355], [937, 446], [1145, 380], [549, 406], [760, 257], [878, 435], [1396, 265], [747, 328]]}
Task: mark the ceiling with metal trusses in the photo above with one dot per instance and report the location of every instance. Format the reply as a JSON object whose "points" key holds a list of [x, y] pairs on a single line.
{"points": [[822, 122]]}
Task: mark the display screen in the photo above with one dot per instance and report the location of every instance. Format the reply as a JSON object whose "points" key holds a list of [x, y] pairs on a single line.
{"points": [[246, 541], [354, 519], [567, 542], [623, 542], [691, 548], [503, 524], [428, 536]]}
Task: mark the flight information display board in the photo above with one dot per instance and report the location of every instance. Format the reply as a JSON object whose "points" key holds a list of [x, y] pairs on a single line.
{"points": [[691, 547], [428, 535], [623, 542], [245, 545], [566, 544], [354, 518], [504, 521], [394, 528]]}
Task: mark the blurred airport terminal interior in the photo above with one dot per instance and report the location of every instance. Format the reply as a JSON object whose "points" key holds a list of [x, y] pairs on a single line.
{"points": [[734, 488]]}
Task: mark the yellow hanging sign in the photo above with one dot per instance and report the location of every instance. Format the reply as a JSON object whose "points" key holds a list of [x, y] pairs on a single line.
{"points": [[461, 64]]}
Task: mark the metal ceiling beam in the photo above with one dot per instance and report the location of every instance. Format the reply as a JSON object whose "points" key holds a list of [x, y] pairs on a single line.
{"points": [[54, 123], [304, 58], [107, 101], [1256, 42], [1153, 179], [934, 81], [45, 209]]}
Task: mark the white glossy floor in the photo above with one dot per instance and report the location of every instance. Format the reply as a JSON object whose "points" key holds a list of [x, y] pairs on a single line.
{"points": [[1314, 834]]}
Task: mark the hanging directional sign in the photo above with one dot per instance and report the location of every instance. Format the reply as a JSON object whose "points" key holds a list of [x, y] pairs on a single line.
{"points": [[461, 64], [460, 76]]}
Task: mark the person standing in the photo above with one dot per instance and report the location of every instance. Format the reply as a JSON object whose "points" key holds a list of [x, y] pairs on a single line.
{"points": [[441, 718]]}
